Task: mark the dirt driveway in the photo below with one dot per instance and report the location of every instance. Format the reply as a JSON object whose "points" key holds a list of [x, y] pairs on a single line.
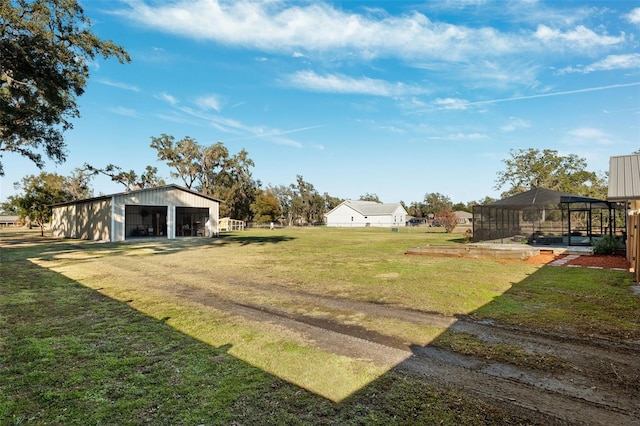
{"points": [[598, 385]]}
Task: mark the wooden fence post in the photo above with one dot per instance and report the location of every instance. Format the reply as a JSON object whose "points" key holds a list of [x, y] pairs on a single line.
{"points": [[633, 244]]}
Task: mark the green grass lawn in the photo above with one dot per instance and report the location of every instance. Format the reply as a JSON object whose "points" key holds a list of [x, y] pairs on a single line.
{"points": [[97, 332]]}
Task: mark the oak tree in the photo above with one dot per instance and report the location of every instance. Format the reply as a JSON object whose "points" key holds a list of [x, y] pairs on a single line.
{"points": [[130, 179], [37, 194], [370, 197], [436, 202], [533, 168], [45, 50], [184, 156]]}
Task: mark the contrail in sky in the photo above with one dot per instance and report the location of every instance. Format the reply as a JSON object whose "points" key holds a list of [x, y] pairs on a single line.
{"points": [[463, 104]]}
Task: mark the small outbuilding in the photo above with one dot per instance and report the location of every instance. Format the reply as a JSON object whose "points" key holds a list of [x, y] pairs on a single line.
{"points": [[351, 213], [168, 211], [9, 220]]}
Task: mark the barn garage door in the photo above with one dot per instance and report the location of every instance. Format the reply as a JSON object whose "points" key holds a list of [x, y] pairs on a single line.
{"points": [[145, 221], [191, 221]]}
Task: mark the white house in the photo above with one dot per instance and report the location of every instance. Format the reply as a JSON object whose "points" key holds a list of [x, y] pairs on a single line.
{"points": [[162, 212], [351, 213]]}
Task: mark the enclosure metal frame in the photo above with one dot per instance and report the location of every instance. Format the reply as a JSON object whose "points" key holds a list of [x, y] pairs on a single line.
{"points": [[503, 222]]}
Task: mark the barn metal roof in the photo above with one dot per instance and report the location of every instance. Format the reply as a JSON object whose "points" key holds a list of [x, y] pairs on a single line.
{"points": [[152, 188], [624, 178]]}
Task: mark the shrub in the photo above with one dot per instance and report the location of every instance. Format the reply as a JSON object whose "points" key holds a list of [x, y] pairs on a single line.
{"points": [[607, 245], [448, 219]]}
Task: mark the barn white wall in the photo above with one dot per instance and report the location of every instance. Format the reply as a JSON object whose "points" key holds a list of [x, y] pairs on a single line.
{"points": [[104, 218], [88, 220], [163, 196]]}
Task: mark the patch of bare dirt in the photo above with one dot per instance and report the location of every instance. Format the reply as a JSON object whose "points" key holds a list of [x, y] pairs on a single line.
{"points": [[607, 261], [541, 259]]}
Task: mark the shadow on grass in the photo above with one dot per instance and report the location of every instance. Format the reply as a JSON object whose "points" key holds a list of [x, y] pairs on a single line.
{"points": [[123, 367], [26, 244], [73, 356], [246, 239]]}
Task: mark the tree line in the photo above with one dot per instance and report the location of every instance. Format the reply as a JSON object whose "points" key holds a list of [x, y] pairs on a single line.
{"points": [[214, 171]]}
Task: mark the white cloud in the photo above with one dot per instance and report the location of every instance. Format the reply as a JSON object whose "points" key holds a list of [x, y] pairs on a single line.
{"points": [[174, 118], [119, 85], [285, 142], [246, 132], [209, 102], [451, 103], [588, 135], [223, 124], [334, 83], [580, 37], [300, 28], [611, 62], [634, 16], [515, 124], [127, 112], [517, 72], [392, 129], [167, 98], [460, 136], [477, 54]]}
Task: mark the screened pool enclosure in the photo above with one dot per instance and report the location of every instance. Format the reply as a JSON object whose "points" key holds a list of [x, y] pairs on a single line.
{"points": [[545, 217]]}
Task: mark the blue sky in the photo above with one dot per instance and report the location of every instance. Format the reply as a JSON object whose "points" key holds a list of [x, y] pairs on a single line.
{"points": [[396, 98]]}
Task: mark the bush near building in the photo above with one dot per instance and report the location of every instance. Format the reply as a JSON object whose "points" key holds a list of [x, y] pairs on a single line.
{"points": [[448, 219]]}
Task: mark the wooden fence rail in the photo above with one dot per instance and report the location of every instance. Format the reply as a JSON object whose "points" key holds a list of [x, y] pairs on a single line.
{"points": [[633, 243]]}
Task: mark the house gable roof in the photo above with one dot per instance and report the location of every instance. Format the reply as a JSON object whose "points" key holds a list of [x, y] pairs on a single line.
{"points": [[369, 208], [153, 188], [463, 215], [624, 178]]}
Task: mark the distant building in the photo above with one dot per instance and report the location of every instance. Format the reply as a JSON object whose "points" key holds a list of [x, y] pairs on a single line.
{"points": [[9, 221], [463, 217], [351, 213], [168, 211]]}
